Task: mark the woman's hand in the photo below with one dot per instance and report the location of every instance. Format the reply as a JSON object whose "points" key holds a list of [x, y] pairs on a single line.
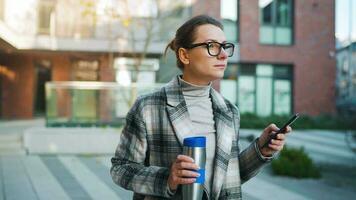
{"points": [[181, 172], [275, 144]]}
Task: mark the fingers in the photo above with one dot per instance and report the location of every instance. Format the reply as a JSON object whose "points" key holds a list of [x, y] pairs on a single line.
{"points": [[276, 145], [277, 142], [281, 136], [184, 158], [289, 129], [188, 173], [186, 162], [271, 128], [182, 171]]}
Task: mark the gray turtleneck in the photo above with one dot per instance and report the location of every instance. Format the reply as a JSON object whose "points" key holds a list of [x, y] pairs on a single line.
{"points": [[200, 111]]}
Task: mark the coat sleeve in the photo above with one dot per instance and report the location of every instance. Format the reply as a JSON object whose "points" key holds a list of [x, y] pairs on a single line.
{"points": [[251, 159], [129, 165]]}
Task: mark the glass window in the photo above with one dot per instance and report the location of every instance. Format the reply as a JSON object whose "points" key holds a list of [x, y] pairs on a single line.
{"points": [[246, 94], [265, 89], [45, 15], [281, 71], [264, 96], [126, 72], [283, 12], [85, 70], [266, 6], [264, 70], [229, 16], [276, 22], [228, 87], [282, 97]]}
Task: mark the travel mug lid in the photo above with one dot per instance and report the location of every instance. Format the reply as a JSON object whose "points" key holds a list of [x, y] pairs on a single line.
{"points": [[195, 141]]}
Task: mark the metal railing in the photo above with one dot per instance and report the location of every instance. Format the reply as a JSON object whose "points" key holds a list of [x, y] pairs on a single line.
{"points": [[86, 104]]}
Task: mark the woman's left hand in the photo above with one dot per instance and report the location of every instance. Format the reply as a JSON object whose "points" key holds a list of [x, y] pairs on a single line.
{"points": [[275, 144]]}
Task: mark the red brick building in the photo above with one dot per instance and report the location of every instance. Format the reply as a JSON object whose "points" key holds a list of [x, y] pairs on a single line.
{"points": [[286, 54]]}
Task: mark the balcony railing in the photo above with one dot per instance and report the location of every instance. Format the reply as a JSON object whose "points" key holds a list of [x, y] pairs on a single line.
{"points": [[90, 103]]}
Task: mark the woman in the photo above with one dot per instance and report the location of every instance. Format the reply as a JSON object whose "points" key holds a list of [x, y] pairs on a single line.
{"points": [[148, 159]]}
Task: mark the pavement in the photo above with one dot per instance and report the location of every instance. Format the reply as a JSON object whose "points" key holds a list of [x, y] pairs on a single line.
{"points": [[64, 176]]}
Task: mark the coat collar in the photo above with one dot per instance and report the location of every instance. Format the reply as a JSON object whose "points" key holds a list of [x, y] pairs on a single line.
{"points": [[182, 125]]}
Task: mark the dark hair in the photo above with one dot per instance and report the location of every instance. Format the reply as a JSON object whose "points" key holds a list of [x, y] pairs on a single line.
{"points": [[185, 34]]}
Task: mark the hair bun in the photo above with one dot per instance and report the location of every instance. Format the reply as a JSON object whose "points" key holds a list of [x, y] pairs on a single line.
{"points": [[172, 44]]}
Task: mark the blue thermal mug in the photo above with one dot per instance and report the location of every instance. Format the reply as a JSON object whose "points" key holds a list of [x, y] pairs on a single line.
{"points": [[194, 147]]}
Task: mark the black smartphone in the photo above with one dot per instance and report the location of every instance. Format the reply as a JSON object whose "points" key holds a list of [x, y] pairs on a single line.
{"points": [[283, 129]]}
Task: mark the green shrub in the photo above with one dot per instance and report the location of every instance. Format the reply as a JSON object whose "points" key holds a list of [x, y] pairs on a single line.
{"points": [[249, 120], [295, 163]]}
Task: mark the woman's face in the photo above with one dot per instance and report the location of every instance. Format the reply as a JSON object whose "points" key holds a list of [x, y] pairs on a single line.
{"points": [[203, 68]]}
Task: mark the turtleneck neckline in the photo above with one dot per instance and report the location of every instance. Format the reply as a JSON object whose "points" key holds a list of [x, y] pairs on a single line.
{"points": [[190, 89]]}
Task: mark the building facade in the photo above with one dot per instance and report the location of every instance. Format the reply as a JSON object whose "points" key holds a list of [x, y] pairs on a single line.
{"points": [[283, 61], [286, 62], [70, 40]]}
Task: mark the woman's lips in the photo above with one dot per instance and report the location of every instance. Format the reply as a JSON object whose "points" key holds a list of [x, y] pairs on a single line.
{"points": [[220, 66]]}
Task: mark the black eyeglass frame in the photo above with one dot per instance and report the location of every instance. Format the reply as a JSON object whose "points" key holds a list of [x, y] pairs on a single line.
{"points": [[206, 44]]}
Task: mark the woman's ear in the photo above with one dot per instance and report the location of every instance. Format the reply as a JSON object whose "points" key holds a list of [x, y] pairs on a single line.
{"points": [[183, 56]]}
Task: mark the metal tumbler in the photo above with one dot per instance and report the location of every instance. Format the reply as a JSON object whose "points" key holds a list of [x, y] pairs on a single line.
{"points": [[194, 147]]}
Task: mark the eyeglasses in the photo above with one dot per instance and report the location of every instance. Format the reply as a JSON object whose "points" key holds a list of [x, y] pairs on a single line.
{"points": [[214, 48]]}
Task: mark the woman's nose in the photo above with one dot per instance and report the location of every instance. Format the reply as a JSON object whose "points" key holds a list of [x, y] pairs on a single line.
{"points": [[222, 54]]}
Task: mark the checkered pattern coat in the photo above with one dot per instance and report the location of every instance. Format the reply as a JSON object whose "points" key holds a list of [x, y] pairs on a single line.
{"points": [[152, 139]]}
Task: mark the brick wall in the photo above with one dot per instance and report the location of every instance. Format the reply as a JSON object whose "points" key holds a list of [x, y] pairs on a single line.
{"points": [[17, 93], [314, 69]]}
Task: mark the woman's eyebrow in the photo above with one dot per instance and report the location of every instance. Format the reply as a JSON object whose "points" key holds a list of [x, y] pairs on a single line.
{"points": [[212, 40]]}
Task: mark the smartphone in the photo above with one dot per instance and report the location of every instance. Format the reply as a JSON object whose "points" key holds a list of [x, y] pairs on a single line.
{"points": [[283, 129]]}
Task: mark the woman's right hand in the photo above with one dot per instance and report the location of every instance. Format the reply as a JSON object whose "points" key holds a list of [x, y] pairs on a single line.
{"points": [[181, 172]]}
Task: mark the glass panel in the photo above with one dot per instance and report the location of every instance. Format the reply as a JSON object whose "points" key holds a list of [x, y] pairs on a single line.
{"points": [[231, 72], [282, 94], [283, 35], [264, 70], [266, 11], [91, 103], [84, 105], [246, 92], [266, 34], [229, 15], [264, 96], [230, 29], [228, 89], [282, 10], [51, 103], [247, 69], [282, 72]]}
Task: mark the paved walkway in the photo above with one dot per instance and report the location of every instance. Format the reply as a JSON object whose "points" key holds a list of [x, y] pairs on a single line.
{"points": [[87, 177]]}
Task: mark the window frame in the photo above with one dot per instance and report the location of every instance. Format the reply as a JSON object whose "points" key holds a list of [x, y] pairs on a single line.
{"points": [[289, 77], [291, 7]]}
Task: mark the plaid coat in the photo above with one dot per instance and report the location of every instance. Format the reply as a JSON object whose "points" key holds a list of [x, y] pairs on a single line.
{"points": [[152, 139]]}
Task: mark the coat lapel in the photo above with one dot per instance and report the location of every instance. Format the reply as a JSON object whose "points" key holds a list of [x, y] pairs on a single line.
{"points": [[177, 110], [224, 136]]}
